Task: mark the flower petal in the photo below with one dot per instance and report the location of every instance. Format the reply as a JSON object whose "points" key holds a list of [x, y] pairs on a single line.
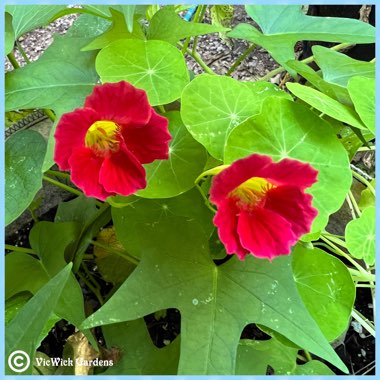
{"points": [[285, 172], [293, 205], [70, 133], [120, 102], [226, 220], [122, 173], [85, 168], [265, 234], [150, 142]]}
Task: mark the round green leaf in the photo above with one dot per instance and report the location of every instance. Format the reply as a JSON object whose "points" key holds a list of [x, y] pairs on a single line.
{"points": [[24, 155], [326, 288], [288, 130], [362, 91], [361, 236], [213, 105], [155, 66], [187, 158]]}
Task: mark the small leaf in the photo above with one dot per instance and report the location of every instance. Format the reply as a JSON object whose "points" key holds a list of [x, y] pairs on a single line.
{"points": [[179, 28], [24, 330], [283, 25], [327, 105], [9, 34], [213, 105], [24, 156], [326, 288], [155, 66], [139, 355], [362, 91], [187, 158], [338, 68], [360, 236], [367, 199]]}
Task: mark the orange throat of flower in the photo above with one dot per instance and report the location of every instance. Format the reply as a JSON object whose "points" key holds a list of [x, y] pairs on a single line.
{"points": [[251, 193], [103, 137]]}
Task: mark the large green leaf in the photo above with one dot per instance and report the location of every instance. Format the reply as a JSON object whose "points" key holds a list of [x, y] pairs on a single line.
{"points": [[283, 25], [117, 31], [254, 357], [167, 25], [215, 302], [29, 17], [326, 288], [361, 236], [286, 129], [362, 91], [139, 355], [155, 66], [338, 68], [187, 158], [9, 38], [88, 26], [213, 105], [326, 105], [24, 331], [24, 155], [189, 205]]}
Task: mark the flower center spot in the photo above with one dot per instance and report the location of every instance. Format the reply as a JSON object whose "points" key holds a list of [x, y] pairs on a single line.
{"points": [[102, 136]]}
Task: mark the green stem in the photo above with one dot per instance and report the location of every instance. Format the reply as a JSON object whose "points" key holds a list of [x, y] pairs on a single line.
{"points": [[365, 149], [207, 202], [22, 52], [198, 18], [364, 181], [364, 322], [116, 252], [19, 249], [335, 239], [306, 61], [372, 286], [350, 206], [338, 251], [33, 214], [198, 59], [359, 276], [50, 114], [13, 61], [93, 289], [161, 108], [58, 174], [62, 185], [354, 203], [308, 356], [240, 59], [195, 19]]}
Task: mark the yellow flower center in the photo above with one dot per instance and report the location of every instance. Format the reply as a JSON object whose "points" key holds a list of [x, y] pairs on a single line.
{"points": [[102, 136], [251, 192]]}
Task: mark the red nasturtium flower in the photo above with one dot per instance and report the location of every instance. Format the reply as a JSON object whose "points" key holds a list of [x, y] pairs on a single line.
{"points": [[262, 207], [105, 143]]}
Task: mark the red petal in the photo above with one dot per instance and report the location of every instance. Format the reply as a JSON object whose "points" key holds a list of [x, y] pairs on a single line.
{"points": [[293, 205], [285, 172], [122, 173], [150, 142], [120, 102], [265, 234], [226, 220], [70, 133], [85, 168]]}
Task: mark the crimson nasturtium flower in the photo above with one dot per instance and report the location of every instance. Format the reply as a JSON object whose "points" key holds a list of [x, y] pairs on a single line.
{"points": [[105, 143], [262, 207]]}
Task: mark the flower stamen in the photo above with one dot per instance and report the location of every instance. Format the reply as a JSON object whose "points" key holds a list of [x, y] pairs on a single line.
{"points": [[102, 136]]}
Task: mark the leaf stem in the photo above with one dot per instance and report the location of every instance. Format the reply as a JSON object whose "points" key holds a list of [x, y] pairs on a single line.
{"points": [[306, 60], [18, 249], [62, 185], [364, 322], [354, 203], [13, 60], [240, 59], [58, 174], [364, 181], [359, 276], [198, 18], [124, 255], [22, 52], [207, 202], [198, 59], [308, 356], [93, 289]]}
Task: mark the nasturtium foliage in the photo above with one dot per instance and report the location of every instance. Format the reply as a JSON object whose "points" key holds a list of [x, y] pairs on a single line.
{"points": [[367, 197], [213, 105], [187, 158], [9, 38], [24, 156], [215, 302], [284, 25], [361, 236], [179, 28], [362, 91], [155, 66], [286, 129], [326, 288]]}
